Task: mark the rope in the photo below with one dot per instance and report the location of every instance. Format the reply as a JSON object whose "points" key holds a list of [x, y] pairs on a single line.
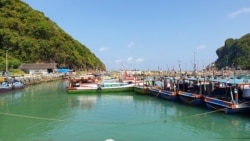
{"points": [[129, 123], [32, 117], [61, 120], [210, 112], [115, 123]]}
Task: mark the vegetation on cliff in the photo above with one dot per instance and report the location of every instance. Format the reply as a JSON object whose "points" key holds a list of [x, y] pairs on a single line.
{"points": [[30, 37], [234, 54]]}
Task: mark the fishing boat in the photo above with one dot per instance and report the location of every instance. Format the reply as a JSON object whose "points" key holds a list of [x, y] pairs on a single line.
{"points": [[143, 86], [154, 91], [11, 86], [16, 84], [193, 90], [165, 89], [169, 95], [5, 87], [229, 97], [111, 85], [141, 89]]}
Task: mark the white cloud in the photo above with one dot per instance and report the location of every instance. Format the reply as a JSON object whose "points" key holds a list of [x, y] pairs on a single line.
{"points": [[130, 59], [201, 47], [103, 49], [118, 61], [131, 44], [139, 60], [239, 12]]}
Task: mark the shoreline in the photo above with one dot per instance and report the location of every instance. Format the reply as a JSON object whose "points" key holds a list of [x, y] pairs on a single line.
{"points": [[30, 79]]}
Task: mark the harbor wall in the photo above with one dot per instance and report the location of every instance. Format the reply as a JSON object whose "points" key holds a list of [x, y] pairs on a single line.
{"points": [[29, 79]]}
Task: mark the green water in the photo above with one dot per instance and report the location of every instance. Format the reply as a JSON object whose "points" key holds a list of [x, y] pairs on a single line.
{"points": [[45, 112]]}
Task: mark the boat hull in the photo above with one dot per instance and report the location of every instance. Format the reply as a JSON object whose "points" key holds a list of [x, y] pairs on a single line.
{"points": [[100, 90], [190, 98], [169, 95], [11, 88], [2, 90], [153, 92], [141, 90], [164, 94], [226, 106]]}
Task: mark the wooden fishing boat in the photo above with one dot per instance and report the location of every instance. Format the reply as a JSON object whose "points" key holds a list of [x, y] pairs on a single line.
{"points": [[165, 89], [191, 98], [140, 89], [167, 94], [192, 91], [229, 97], [154, 91], [76, 86], [142, 86], [102, 88]]}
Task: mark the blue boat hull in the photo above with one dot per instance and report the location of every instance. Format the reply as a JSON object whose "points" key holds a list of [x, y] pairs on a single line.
{"points": [[226, 106], [190, 98], [169, 95]]}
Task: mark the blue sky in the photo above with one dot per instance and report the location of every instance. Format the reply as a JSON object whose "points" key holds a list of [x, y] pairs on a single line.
{"points": [[150, 34]]}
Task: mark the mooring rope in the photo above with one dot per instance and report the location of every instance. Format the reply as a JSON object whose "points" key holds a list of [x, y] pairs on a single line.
{"points": [[201, 114], [118, 123], [59, 120], [31, 117]]}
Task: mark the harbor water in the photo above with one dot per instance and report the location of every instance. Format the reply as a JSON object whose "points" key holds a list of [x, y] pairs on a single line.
{"points": [[45, 112]]}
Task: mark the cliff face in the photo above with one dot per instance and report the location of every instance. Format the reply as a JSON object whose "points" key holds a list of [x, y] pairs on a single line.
{"points": [[30, 37], [235, 53]]}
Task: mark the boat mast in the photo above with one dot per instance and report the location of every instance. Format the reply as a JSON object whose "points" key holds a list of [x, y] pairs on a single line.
{"points": [[194, 65]]}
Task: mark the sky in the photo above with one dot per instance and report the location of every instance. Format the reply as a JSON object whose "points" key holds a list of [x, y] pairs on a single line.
{"points": [[150, 34]]}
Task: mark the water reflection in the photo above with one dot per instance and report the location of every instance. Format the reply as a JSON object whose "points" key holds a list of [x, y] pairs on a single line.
{"points": [[195, 120], [218, 125], [200, 121], [83, 101], [89, 101], [46, 111]]}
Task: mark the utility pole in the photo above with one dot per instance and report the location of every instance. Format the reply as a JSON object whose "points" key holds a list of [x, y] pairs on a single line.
{"points": [[6, 63]]}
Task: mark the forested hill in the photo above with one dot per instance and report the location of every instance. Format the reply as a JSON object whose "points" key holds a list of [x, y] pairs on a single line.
{"points": [[235, 53], [31, 37]]}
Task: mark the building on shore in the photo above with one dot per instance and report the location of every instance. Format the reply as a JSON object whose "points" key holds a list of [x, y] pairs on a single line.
{"points": [[39, 68]]}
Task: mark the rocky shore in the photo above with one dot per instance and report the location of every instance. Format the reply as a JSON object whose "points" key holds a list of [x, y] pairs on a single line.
{"points": [[29, 79]]}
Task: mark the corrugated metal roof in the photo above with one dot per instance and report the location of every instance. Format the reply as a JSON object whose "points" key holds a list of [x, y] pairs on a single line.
{"points": [[39, 66]]}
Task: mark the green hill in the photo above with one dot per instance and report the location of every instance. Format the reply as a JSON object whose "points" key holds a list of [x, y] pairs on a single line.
{"points": [[235, 53], [30, 37]]}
